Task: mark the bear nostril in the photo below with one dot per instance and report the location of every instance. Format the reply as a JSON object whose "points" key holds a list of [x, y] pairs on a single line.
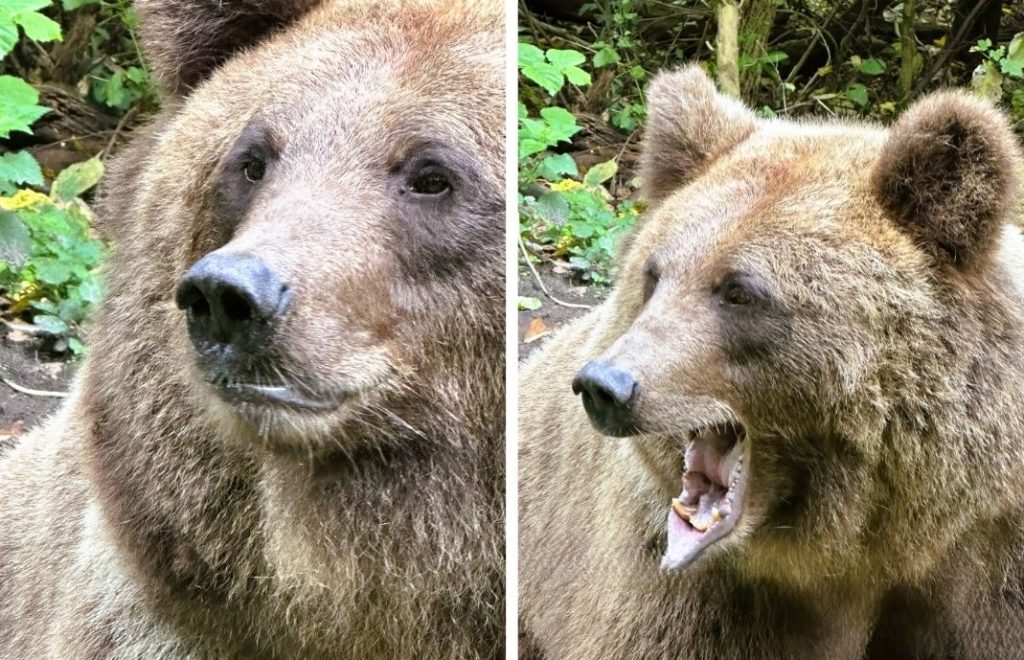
{"points": [[236, 307]]}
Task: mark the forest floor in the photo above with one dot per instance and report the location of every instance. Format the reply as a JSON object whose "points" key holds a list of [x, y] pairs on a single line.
{"points": [[536, 326], [24, 361]]}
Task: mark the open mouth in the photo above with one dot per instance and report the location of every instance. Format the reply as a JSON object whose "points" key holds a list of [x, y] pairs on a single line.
{"points": [[275, 396], [715, 471]]}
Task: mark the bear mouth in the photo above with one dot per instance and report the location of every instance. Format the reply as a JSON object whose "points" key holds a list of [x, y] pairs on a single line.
{"points": [[265, 396], [715, 471]]}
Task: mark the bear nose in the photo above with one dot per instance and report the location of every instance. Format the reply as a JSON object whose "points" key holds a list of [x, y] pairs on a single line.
{"points": [[229, 296], [609, 394]]}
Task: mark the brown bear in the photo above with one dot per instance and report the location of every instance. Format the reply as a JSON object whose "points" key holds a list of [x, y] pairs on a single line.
{"points": [[799, 429], [288, 438]]}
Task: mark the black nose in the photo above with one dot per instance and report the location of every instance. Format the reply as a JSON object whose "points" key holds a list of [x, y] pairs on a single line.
{"points": [[609, 395], [231, 298]]}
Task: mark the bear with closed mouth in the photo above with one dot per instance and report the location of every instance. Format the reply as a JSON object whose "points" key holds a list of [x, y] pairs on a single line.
{"points": [[287, 440], [795, 428]]}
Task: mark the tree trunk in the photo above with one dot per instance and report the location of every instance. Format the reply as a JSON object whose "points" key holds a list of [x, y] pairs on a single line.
{"points": [[727, 50], [754, 30]]}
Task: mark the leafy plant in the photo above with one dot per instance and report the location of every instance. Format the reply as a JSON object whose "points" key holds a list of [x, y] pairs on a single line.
{"points": [[575, 218], [49, 258]]}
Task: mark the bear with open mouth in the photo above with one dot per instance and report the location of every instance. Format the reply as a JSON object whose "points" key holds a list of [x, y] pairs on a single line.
{"points": [[795, 429], [287, 440]]}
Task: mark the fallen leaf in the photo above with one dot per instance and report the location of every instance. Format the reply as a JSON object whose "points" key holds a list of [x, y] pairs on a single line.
{"points": [[12, 431], [17, 336], [537, 329]]}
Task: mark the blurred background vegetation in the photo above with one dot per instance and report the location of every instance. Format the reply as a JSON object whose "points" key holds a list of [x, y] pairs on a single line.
{"points": [[72, 87], [584, 64]]}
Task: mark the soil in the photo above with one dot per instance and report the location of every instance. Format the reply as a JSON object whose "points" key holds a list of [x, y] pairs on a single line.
{"points": [[537, 326], [26, 362]]}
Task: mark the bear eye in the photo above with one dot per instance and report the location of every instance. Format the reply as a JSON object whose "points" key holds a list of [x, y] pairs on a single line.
{"points": [[734, 293], [430, 182], [255, 169]]}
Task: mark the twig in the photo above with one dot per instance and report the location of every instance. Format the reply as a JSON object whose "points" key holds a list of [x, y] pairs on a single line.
{"points": [[30, 391], [952, 46], [125, 118], [540, 283]]}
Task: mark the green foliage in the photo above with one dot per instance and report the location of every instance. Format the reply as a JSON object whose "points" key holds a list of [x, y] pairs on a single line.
{"points": [[49, 258], [574, 219]]}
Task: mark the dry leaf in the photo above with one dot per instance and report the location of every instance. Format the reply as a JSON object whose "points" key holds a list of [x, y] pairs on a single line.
{"points": [[537, 329]]}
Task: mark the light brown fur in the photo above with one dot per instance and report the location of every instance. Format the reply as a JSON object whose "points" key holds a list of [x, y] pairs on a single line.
{"points": [[147, 519], [885, 504]]}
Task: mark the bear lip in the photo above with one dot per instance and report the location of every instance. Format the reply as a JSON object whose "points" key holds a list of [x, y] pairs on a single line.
{"points": [[715, 472], [271, 396]]}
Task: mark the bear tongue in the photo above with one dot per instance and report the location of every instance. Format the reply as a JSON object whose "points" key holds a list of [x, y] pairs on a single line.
{"points": [[706, 511]]}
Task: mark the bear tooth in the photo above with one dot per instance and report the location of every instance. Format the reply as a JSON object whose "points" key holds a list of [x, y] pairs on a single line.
{"points": [[683, 510]]}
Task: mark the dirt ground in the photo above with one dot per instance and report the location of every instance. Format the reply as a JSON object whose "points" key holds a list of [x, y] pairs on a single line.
{"points": [[537, 326], [25, 362]]}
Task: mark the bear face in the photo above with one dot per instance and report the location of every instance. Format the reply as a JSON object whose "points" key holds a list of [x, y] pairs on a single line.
{"points": [[362, 192], [811, 334]]}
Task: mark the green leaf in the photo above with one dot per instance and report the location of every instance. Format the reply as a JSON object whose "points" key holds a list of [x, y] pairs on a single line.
{"points": [[15, 7], [8, 37], [50, 324], [561, 123], [530, 146], [857, 93], [577, 76], [606, 56], [982, 46], [545, 75], [76, 345], [528, 304], [564, 59], [18, 107], [15, 240], [530, 55], [38, 27], [872, 67], [557, 166], [553, 207], [52, 271], [774, 57], [600, 173], [76, 179], [20, 168]]}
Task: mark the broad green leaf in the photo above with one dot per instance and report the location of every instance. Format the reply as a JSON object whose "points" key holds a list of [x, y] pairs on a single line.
{"points": [[8, 37], [50, 324], [600, 173], [20, 168], [545, 75], [18, 107], [530, 55], [528, 303], [38, 27], [577, 76], [872, 67], [557, 166], [76, 345], [15, 7], [76, 179], [564, 59], [561, 122], [71, 5], [553, 207], [858, 94], [530, 146], [15, 241], [52, 271], [606, 56], [90, 291]]}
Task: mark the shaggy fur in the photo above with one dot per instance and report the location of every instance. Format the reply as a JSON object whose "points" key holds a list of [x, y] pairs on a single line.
{"points": [[149, 519], [879, 380]]}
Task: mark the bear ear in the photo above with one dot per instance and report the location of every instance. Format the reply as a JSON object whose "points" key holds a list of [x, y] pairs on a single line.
{"points": [[689, 124], [949, 174], [185, 40]]}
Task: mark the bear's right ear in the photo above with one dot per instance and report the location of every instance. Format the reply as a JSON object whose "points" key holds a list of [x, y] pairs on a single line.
{"points": [[689, 124], [185, 40]]}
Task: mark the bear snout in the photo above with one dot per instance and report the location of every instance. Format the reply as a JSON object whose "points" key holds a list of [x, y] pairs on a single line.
{"points": [[609, 395], [231, 300]]}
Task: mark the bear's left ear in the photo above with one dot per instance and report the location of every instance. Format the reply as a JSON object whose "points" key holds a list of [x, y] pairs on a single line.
{"points": [[185, 40], [949, 174]]}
